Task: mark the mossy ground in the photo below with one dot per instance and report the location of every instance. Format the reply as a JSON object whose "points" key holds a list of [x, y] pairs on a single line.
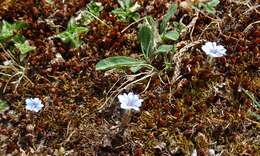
{"points": [[204, 109]]}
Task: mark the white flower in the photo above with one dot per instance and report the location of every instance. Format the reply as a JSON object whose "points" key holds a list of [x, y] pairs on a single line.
{"points": [[214, 50], [130, 101], [33, 104]]}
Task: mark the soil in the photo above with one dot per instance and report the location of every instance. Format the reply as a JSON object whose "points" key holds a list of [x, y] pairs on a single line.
{"points": [[204, 108]]}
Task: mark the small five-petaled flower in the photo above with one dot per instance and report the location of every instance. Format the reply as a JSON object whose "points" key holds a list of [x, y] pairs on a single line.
{"points": [[130, 101], [33, 104], [214, 50]]}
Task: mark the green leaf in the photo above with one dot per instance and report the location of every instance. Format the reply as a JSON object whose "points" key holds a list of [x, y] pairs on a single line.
{"points": [[172, 35], [120, 13], [153, 25], [71, 24], [19, 25], [135, 16], [127, 10], [125, 3], [6, 31], [18, 38], [213, 3], [3, 106], [79, 30], [65, 36], [95, 8], [210, 9], [209, 6], [88, 15], [167, 17], [165, 48], [25, 47], [121, 3], [118, 62], [146, 39], [72, 34], [179, 26]]}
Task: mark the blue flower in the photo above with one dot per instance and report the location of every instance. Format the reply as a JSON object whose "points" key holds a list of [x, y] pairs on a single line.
{"points": [[130, 101], [33, 104], [214, 50]]}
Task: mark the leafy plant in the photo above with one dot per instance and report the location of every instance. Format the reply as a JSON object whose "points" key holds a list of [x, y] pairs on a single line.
{"points": [[24, 47], [10, 34], [8, 30], [72, 34], [78, 25], [160, 38], [88, 15], [95, 8], [208, 6], [152, 44], [127, 10], [174, 33]]}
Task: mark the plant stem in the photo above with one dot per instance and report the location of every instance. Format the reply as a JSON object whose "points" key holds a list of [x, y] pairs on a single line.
{"points": [[210, 60], [126, 119]]}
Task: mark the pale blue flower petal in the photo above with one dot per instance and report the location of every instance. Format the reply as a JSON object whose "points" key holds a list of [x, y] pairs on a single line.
{"points": [[27, 101], [130, 98], [33, 104], [213, 50], [130, 101], [122, 99], [206, 48]]}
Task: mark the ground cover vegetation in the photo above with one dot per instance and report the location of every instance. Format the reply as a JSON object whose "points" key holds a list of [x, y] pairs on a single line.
{"points": [[130, 77]]}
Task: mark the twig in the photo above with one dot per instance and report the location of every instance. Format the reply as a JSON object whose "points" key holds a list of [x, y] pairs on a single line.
{"points": [[192, 25], [98, 19], [250, 26], [18, 70], [132, 24]]}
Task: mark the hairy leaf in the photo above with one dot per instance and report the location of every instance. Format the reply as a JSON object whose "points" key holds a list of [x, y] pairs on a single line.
{"points": [[118, 62], [167, 17], [172, 35], [146, 39], [165, 48]]}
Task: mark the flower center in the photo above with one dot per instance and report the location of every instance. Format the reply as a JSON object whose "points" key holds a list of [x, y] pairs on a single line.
{"points": [[214, 51], [34, 105]]}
